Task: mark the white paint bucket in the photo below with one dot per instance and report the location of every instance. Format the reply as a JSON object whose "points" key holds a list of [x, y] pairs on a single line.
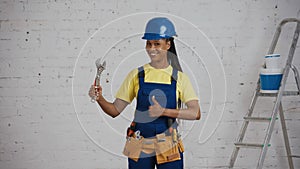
{"points": [[272, 61]]}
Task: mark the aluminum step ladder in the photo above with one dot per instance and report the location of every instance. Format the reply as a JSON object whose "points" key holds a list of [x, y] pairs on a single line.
{"points": [[277, 105]]}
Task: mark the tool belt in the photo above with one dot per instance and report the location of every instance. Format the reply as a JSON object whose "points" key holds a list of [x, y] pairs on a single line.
{"points": [[166, 150]]}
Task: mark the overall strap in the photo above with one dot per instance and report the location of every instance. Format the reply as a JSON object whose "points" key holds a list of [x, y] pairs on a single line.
{"points": [[174, 76], [141, 75], [172, 124]]}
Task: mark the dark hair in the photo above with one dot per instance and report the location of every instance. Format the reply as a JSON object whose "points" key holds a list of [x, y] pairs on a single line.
{"points": [[172, 55]]}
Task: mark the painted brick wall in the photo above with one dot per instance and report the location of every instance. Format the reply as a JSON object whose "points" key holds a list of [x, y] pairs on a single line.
{"points": [[48, 49]]}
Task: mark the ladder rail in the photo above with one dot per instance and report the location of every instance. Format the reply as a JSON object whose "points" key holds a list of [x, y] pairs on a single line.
{"points": [[285, 137], [280, 92]]}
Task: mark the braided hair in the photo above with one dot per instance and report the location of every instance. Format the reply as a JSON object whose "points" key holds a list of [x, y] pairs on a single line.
{"points": [[172, 55], [173, 60]]}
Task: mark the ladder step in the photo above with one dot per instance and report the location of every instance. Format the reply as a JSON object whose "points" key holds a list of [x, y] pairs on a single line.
{"points": [[259, 119], [285, 93], [250, 145], [294, 156]]}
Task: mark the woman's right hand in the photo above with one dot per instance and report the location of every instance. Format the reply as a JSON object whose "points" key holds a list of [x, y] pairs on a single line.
{"points": [[95, 92], [112, 109]]}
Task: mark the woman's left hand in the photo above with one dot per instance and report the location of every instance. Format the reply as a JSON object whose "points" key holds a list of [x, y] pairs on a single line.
{"points": [[155, 110]]}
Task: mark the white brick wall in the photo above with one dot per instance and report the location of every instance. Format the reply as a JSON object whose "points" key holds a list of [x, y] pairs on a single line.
{"points": [[45, 46]]}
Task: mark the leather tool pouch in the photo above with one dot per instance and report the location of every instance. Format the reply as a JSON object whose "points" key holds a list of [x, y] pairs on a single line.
{"points": [[167, 150], [133, 148], [148, 146]]}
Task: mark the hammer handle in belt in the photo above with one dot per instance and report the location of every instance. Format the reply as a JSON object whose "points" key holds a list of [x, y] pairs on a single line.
{"points": [[174, 136]]}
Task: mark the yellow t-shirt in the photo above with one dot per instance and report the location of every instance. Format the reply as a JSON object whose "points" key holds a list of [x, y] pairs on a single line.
{"points": [[129, 89]]}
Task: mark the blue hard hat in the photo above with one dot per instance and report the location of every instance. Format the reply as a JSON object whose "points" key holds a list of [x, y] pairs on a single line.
{"points": [[159, 28]]}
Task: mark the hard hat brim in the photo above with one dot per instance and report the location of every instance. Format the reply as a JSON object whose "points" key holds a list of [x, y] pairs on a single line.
{"points": [[154, 36]]}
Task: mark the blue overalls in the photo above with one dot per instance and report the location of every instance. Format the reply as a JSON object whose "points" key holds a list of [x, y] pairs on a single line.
{"points": [[165, 94]]}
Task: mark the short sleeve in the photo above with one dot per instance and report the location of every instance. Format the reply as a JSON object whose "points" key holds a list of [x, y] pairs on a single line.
{"points": [[127, 90], [187, 92]]}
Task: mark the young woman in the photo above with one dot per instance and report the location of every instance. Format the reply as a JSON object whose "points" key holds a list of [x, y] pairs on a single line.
{"points": [[159, 87]]}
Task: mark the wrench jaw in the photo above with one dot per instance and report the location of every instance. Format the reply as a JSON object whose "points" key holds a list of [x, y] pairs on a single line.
{"points": [[100, 67]]}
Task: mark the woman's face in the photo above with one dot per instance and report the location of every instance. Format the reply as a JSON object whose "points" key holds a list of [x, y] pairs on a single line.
{"points": [[157, 49]]}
